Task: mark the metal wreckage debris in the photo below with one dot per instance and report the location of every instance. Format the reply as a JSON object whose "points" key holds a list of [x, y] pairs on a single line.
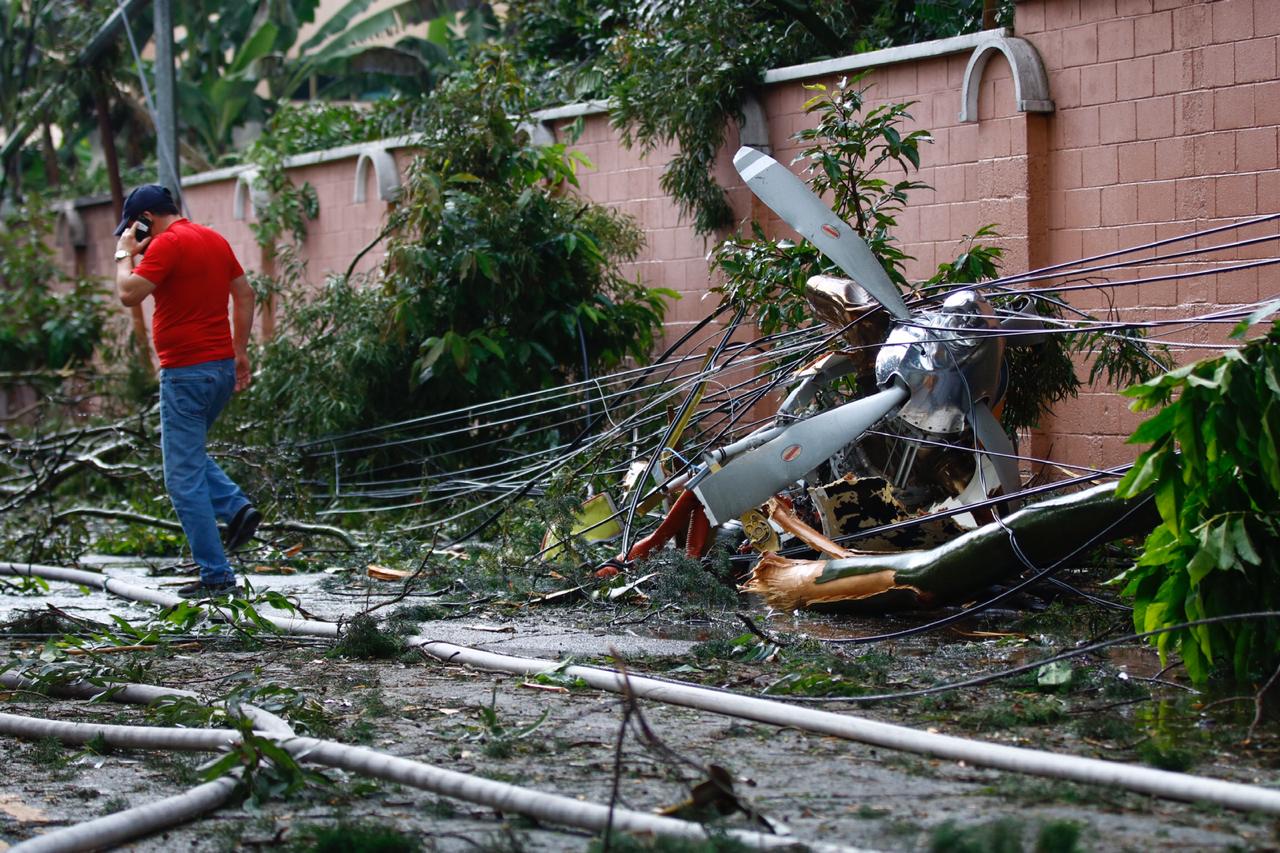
{"points": [[919, 458]]}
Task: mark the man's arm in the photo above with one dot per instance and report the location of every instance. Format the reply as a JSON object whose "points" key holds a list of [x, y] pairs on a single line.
{"points": [[242, 303], [131, 289]]}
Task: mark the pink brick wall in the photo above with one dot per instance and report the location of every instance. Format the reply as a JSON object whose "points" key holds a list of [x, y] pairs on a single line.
{"points": [[1166, 122]]}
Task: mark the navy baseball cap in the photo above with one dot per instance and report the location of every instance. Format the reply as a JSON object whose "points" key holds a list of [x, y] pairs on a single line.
{"points": [[146, 199]]}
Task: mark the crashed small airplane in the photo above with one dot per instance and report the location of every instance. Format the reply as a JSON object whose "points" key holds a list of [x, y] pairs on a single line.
{"points": [[922, 439]]}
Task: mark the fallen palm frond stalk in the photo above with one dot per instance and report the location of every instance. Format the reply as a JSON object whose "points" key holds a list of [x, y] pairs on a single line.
{"points": [[169, 524], [110, 650], [1160, 783], [110, 830], [136, 592], [501, 796], [140, 694]]}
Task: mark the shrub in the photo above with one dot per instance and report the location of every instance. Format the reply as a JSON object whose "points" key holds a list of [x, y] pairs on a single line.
{"points": [[1214, 470]]}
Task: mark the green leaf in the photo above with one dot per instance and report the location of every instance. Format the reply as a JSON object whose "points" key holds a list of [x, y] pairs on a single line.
{"points": [[1139, 478], [1056, 674], [258, 45], [1154, 428], [1243, 544]]}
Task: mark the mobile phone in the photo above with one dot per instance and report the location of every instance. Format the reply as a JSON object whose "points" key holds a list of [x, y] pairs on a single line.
{"points": [[143, 231]]}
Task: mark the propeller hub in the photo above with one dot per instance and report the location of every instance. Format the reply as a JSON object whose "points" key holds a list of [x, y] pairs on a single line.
{"points": [[950, 360]]}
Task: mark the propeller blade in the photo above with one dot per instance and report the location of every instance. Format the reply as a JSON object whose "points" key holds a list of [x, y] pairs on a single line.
{"points": [[757, 475], [791, 198], [994, 439]]}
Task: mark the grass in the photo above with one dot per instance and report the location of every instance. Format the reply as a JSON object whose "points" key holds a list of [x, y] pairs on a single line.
{"points": [[621, 843], [353, 837], [684, 582], [1006, 835], [1019, 710], [364, 640]]}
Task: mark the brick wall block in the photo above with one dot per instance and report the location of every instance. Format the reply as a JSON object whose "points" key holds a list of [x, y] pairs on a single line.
{"points": [[1236, 195], [1232, 20], [1156, 200], [1215, 153], [1059, 14], [1115, 39], [1255, 59], [1077, 128], [1256, 149], [1155, 117], [1100, 166], [1175, 158], [1135, 78], [1239, 287], [1213, 66], [1191, 26], [1098, 84], [1117, 122], [1065, 170], [1079, 208], [1233, 108], [1193, 113], [1080, 45], [1265, 21], [1173, 72], [1136, 161], [1119, 204], [1129, 8], [1194, 198], [1097, 10], [1153, 34]]}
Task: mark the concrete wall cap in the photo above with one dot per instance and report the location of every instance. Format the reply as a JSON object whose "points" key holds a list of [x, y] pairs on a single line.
{"points": [[247, 189], [1030, 82], [68, 227], [384, 170]]}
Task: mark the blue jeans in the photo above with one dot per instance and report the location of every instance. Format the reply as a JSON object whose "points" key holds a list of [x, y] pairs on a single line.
{"points": [[190, 400]]}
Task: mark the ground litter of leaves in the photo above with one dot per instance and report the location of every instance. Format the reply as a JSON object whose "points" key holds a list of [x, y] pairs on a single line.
{"points": [[557, 736]]}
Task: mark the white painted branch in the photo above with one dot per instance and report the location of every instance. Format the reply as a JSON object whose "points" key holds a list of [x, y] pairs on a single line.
{"points": [[1161, 783], [112, 829], [144, 694], [135, 592], [552, 808]]}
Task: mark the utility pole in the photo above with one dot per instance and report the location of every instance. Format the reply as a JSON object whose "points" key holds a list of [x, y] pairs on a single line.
{"points": [[166, 101]]}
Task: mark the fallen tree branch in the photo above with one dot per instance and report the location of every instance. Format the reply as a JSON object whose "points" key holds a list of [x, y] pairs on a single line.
{"points": [[168, 524], [1161, 783], [501, 796]]}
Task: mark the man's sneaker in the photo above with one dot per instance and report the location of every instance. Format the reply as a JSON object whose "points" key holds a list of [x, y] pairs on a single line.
{"points": [[200, 589], [241, 528]]}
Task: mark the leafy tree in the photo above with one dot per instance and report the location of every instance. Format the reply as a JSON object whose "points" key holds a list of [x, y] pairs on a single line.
{"points": [[1214, 470], [496, 274], [678, 71], [46, 322]]}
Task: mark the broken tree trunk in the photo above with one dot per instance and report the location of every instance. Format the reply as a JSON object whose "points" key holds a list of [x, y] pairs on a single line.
{"points": [[1045, 533]]}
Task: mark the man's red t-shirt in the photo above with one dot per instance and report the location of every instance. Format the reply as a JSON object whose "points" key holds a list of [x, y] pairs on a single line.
{"points": [[192, 268]]}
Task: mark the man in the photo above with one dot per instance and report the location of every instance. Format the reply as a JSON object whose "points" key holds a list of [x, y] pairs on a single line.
{"points": [[190, 270]]}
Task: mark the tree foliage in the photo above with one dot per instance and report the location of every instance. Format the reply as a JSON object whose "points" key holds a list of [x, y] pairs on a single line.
{"points": [[677, 72], [1213, 467], [862, 160], [47, 321], [500, 274], [497, 276]]}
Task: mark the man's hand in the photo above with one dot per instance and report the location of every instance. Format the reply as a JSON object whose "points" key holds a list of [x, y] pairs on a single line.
{"points": [[129, 240], [244, 371]]}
